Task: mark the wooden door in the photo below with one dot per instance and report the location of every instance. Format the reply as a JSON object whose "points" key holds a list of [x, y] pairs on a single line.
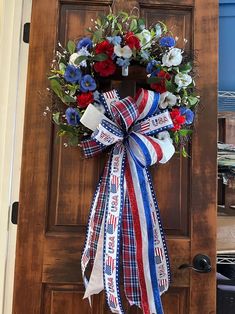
{"points": [[57, 183]]}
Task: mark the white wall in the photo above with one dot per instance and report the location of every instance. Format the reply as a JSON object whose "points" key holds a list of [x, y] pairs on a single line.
{"points": [[13, 65]]}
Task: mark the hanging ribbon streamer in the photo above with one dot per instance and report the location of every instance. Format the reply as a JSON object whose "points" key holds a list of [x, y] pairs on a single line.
{"points": [[124, 207]]}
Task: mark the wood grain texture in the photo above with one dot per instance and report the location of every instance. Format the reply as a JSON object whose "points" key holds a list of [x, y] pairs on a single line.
{"points": [[57, 183], [204, 153]]}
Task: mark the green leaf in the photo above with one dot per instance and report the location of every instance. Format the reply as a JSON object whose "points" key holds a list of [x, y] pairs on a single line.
{"points": [[133, 25], [56, 87], [56, 117], [184, 153], [185, 132], [193, 100], [170, 86], [73, 140], [67, 128], [97, 35], [153, 79], [80, 59], [119, 26], [68, 99], [100, 57], [71, 46], [115, 33], [62, 67], [98, 21], [124, 16], [141, 24], [185, 68], [61, 133], [176, 137]]}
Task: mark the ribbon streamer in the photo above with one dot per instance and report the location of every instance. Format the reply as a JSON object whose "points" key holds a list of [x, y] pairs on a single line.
{"points": [[124, 208]]}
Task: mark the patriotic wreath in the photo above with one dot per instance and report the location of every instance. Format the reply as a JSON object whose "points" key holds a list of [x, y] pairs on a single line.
{"points": [[117, 42], [141, 131]]}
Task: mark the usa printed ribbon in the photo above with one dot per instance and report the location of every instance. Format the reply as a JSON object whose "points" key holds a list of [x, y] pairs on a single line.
{"points": [[124, 224]]}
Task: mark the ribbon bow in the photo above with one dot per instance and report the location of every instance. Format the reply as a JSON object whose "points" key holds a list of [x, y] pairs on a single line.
{"points": [[124, 213]]}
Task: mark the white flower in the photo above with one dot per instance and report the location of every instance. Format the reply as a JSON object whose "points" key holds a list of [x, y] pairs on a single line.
{"points": [[167, 99], [124, 52], [164, 135], [145, 38], [83, 52], [72, 59], [172, 58], [183, 80]]}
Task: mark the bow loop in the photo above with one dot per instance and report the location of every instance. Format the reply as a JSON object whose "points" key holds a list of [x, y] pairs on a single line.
{"points": [[107, 133], [124, 112], [147, 150], [147, 103]]}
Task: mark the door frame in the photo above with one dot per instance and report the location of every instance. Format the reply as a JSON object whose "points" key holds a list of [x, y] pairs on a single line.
{"points": [[14, 62]]}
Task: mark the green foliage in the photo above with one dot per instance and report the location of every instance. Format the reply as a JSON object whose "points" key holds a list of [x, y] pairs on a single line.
{"points": [[97, 36], [185, 68], [184, 153], [176, 137], [56, 87], [185, 132], [68, 99], [193, 100], [100, 57], [170, 86], [71, 46], [80, 59], [56, 117], [133, 25], [62, 67], [153, 79]]}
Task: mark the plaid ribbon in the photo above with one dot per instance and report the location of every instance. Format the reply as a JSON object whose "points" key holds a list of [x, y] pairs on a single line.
{"points": [[144, 254], [130, 269]]}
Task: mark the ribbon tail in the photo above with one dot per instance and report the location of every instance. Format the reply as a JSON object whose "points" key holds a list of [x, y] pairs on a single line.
{"points": [[94, 224], [96, 284], [112, 229], [160, 247], [137, 187], [130, 269]]}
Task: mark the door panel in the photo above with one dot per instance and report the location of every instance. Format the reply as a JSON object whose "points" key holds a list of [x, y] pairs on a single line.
{"points": [[58, 183]]}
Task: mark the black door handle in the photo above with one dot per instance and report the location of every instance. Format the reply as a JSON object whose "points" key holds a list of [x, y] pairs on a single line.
{"points": [[201, 264]]}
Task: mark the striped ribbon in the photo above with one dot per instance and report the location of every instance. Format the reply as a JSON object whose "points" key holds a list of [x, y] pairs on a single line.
{"points": [[124, 208]]}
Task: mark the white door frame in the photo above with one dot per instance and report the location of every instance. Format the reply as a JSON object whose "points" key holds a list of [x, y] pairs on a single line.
{"points": [[13, 65]]}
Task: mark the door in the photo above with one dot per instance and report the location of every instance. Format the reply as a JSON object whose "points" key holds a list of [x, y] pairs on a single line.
{"points": [[58, 183]]}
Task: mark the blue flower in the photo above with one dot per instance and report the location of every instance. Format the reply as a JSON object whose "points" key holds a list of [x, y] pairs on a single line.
{"points": [[123, 62], [115, 40], [87, 83], [167, 41], [72, 116], [72, 74], [151, 65], [84, 42], [188, 113]]}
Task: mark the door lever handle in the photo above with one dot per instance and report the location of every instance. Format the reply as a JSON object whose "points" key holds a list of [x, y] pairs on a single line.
{"points": [[201, 264]]}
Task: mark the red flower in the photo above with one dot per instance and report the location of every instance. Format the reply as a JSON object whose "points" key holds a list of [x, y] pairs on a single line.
{"points": [[160, 87], [132, 41], [105, 68], [177, 119], [85, 99], [104, 47]]}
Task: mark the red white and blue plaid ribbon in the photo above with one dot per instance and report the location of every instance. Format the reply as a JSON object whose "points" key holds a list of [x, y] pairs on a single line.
{"points": [[124, 213]]}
